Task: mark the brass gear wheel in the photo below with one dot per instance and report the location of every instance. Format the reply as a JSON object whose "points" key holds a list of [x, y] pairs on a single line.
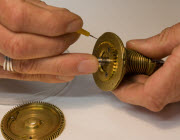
{"points": [[109, 47], [33, 121]]}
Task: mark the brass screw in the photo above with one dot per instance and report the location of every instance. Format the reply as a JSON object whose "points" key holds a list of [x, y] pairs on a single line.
{"points": [[115, 61]]}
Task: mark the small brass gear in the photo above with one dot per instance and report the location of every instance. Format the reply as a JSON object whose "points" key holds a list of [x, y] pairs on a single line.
{"points": [[108, 52], [33, 121]]}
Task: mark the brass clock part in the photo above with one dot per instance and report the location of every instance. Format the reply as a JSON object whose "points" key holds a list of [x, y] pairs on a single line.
{"points": [[33, 121], [115, 61]]}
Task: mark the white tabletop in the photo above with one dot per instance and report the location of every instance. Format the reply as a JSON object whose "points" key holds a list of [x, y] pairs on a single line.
{"points": [[95, 115]]}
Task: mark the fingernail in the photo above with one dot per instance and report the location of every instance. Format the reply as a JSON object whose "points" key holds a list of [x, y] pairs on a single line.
{"points": [[74, 26], [88, 66], [131, 43], [135, 42]]}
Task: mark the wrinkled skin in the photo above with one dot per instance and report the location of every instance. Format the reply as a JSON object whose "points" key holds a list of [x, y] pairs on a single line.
{"points": [[163, 87], [35, 35]]}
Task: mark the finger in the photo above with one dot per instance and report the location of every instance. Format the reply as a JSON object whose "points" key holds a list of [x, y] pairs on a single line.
{"points": [[136, 78], [65, 65], [131, 90], [131, 93], [158, 46], [21, 16], [37, 2], [29, 46], [35, 77], [164, 83], [134, 93], [44, 5], [143, 92]]}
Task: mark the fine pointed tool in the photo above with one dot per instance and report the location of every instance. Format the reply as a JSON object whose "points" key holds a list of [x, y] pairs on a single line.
{"points": [[86, 33]]}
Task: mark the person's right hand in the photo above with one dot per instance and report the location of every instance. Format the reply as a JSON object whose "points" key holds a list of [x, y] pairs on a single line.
{"points": [[35, 35]]}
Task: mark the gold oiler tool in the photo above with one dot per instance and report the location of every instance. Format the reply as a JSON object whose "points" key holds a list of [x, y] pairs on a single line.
{"points": [[85, 33], [33, 121], [115, 61]]}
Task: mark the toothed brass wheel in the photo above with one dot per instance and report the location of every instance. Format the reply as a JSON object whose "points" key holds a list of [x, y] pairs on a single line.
{"points": [[33, 121], [109, 47]]}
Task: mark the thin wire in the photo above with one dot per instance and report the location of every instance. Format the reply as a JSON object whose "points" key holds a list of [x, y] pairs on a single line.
{"points": [[100, 60], [93, 36]]}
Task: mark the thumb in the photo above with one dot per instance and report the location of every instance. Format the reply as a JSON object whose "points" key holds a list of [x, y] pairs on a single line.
{"points": [[158, 46]]}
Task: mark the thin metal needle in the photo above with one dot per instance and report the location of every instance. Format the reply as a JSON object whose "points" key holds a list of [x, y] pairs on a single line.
{"points": [[100, 60], [93, 36]]}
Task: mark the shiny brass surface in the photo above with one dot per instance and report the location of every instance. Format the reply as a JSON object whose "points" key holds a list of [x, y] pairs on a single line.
{"points": [[115, 61], [33, 121]]}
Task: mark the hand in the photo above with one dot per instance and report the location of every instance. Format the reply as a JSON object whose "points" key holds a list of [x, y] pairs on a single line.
{"points": [[163, 87], [35, 35]]}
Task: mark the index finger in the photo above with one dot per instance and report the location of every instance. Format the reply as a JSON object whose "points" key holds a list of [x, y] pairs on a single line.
{"points": [[22, 16]]}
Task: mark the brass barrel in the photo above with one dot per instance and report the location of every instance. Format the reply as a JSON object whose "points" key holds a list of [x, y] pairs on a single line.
{"points": [[140, 64]]}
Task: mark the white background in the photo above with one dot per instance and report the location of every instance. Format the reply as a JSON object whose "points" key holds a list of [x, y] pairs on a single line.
{"points": [[95, 115]]}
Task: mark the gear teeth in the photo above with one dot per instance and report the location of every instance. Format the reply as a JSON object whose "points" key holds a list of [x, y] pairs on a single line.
{"points": [[115, 62], [51, 136], [114, 54]]}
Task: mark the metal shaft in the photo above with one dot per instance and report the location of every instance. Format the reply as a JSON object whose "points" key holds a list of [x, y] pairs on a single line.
{"points": [[136, 63], [104, 60]]}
